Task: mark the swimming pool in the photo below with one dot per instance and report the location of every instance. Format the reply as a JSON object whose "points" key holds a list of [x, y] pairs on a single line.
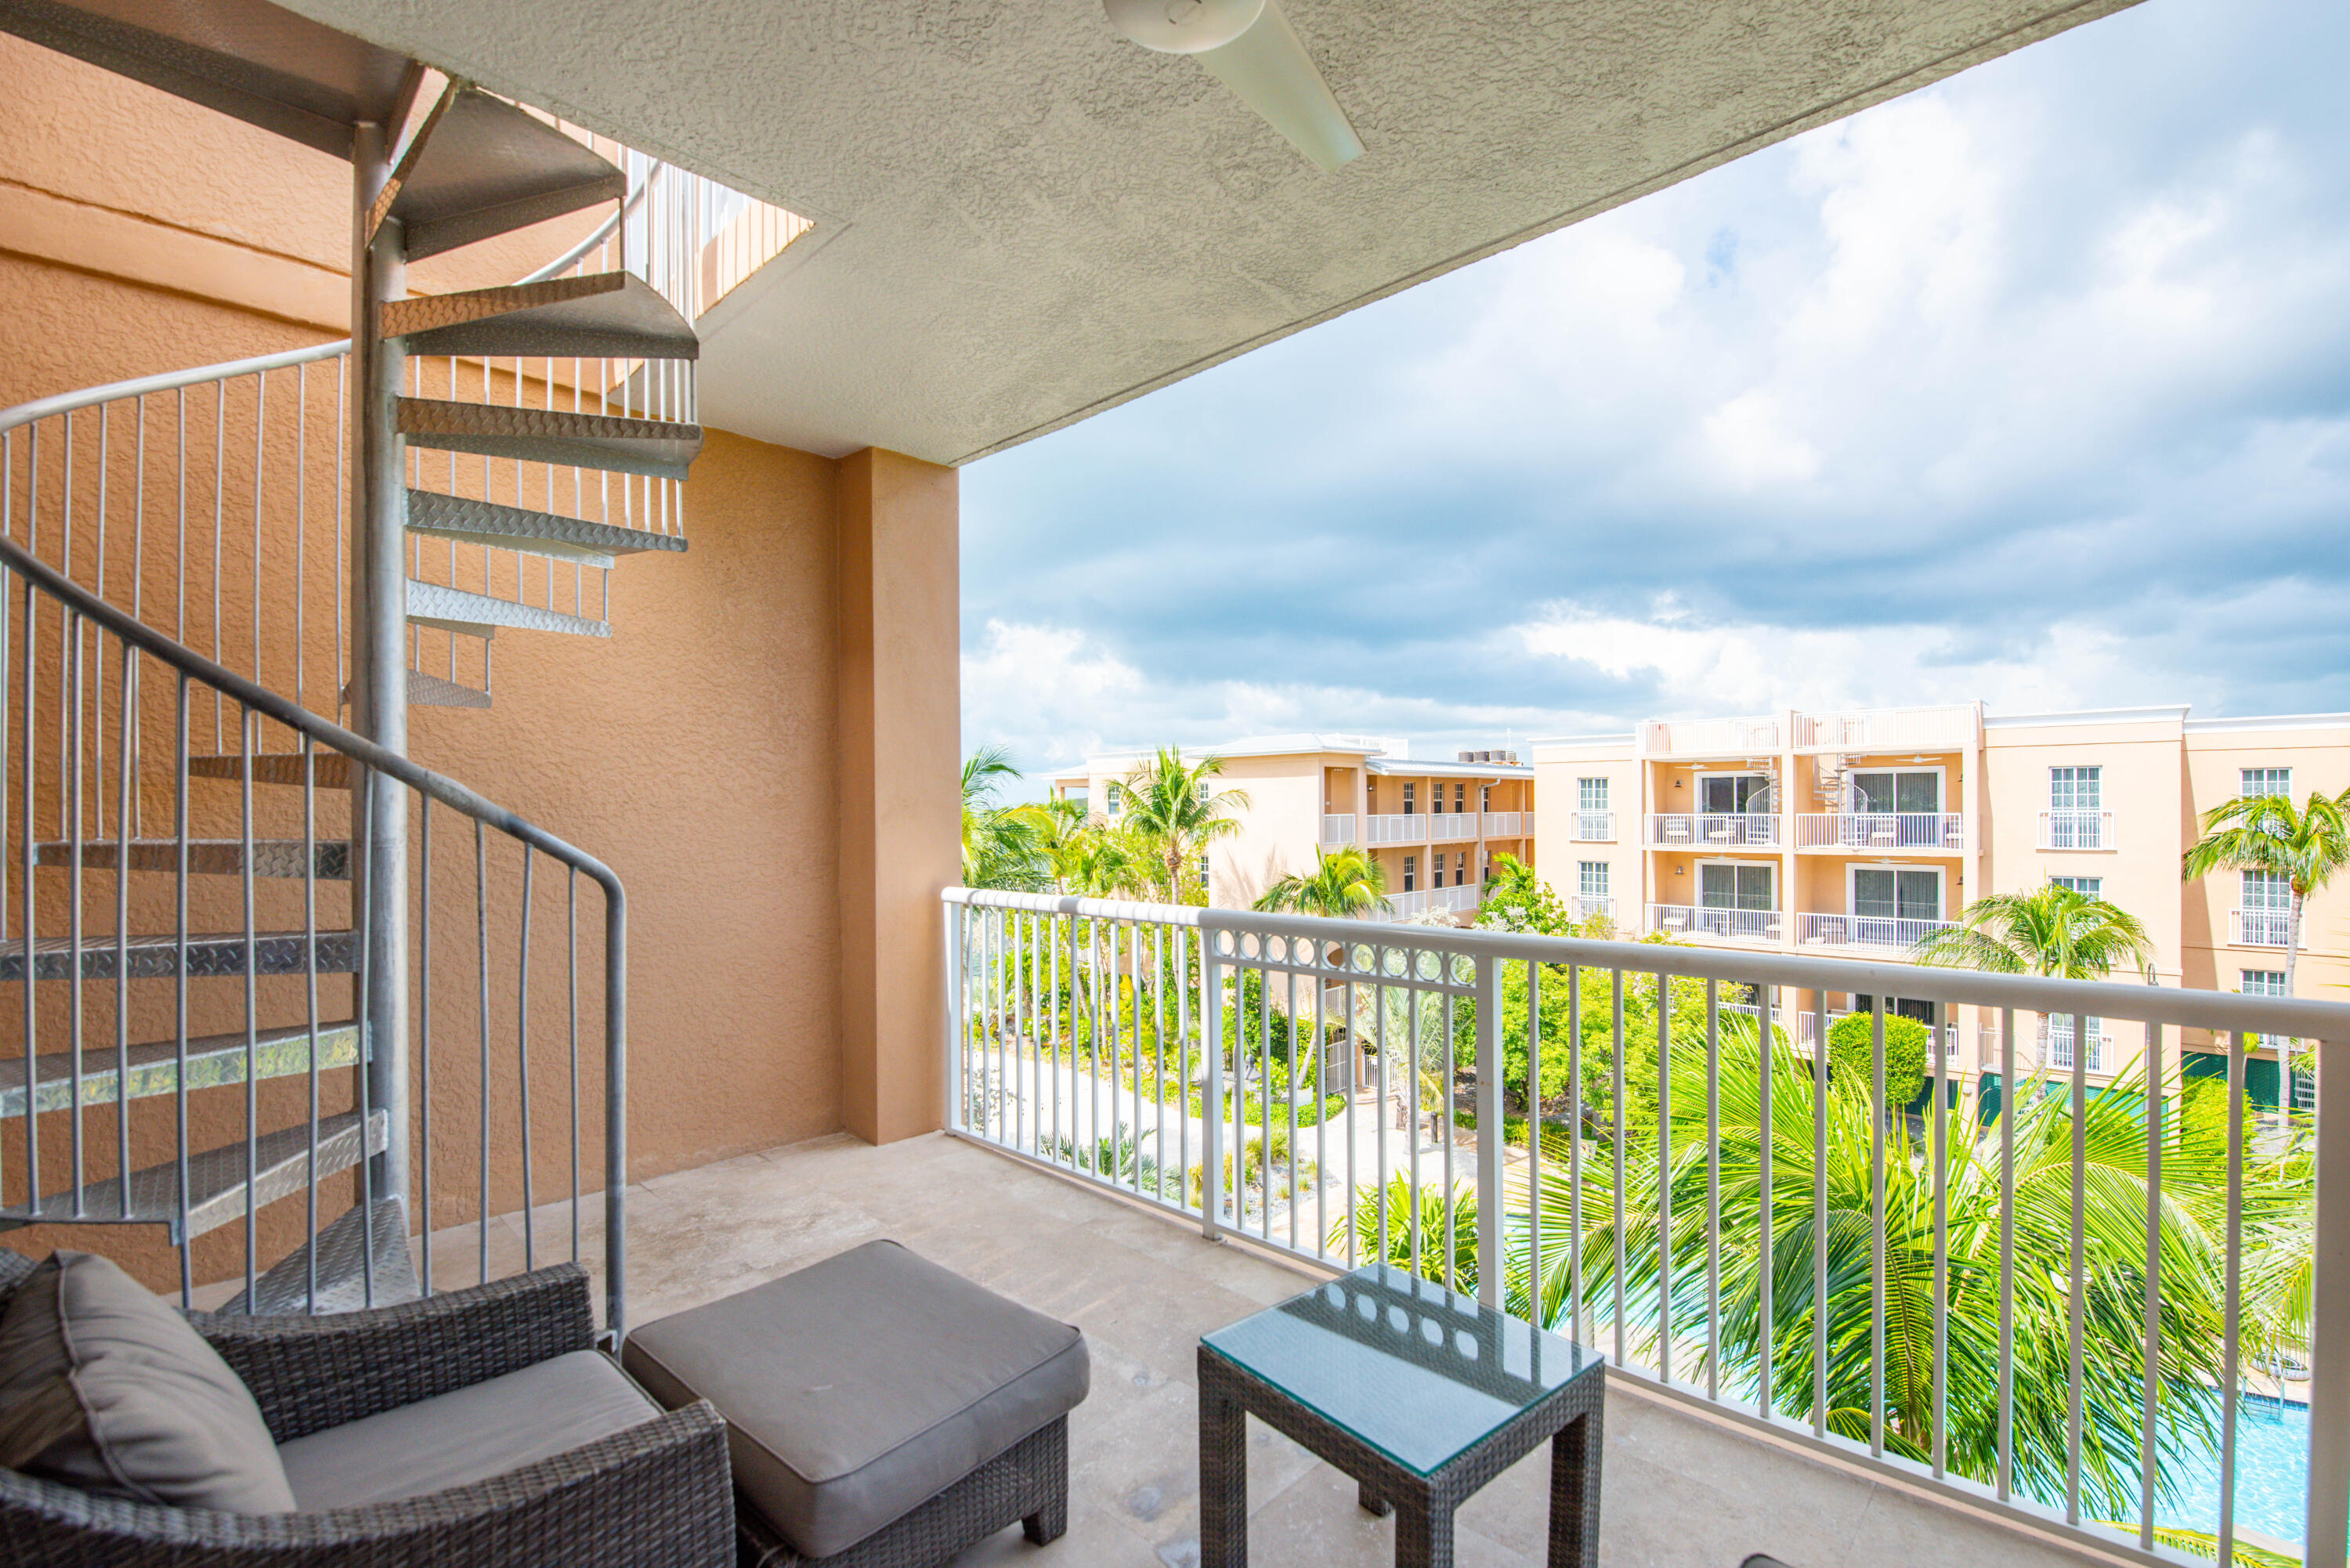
{"points": [[2271, 1475]]}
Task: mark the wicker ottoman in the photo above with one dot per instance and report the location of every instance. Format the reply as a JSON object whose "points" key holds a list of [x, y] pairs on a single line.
{"points": [[881, 1412]]}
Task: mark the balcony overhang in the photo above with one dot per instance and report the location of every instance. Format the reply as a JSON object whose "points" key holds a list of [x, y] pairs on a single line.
{"points": [[1022, 219]]}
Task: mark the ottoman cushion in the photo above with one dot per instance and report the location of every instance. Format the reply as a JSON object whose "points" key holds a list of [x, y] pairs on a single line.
{"points": [[861, 1387]]}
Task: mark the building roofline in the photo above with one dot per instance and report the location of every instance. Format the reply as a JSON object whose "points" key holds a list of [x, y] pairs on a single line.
{"points": [[2153, 714], [1452, 770], [2269, 722], [1625, 738]]}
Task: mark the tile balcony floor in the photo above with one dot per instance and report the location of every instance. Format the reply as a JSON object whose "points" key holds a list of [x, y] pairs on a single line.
{"points": [[1680, 1490]]}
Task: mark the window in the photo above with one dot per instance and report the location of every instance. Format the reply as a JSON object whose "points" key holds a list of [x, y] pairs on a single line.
{"points": [[1459, 797], [2267, 781], [1485, 797], [2259, 983], [1410, 865], [1409, 805], [1116, 798], [1461, 869], [1436, 869], [1203, 870], [2268, 891], [1908, 792], [1885, 894], [2074, 789], [1729, 794], [2087, 886], [1722, 886], [1591, 795], [1591, 879]]}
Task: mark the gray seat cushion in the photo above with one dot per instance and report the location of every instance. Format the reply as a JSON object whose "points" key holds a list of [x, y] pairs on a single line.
{"points": [[470, 1435], [106, 1388], [862, 1385]]}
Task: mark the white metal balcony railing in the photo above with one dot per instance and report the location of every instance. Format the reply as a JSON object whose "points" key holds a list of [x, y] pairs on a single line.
{"points": [[1710, 738], [2263, 928], [2056, 1035], [2077, 830], [1458, 900], [1410, 828], [1942, 832], [1337, 828], [1696, 920], [1887, 729], [1807, 1032], [1686, 831], [1078, 1030], [1505, 823], [1451, 827], [1592, 826], [1862, 930], [1590, 907]]}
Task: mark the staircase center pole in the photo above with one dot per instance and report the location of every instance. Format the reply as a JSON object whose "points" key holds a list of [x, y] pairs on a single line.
{"points": [[379, 708]]}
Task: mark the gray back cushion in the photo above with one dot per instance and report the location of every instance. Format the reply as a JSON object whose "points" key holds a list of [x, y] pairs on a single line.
{"points": [[103, 1386]]}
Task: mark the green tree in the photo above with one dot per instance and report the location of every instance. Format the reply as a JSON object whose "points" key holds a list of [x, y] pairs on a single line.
{"points": [[2050, 930], [1002, 846], [1852, 1054], [1516, 899], [2265, 832], [1173, 813], [1343, 884]]}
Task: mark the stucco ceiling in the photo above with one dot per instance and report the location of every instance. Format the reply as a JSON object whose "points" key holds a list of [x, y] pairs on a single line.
{"points": [[1022, 219]]}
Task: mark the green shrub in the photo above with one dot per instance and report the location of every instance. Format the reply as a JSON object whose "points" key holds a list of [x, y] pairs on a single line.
{"points": [[1907, 1042]]}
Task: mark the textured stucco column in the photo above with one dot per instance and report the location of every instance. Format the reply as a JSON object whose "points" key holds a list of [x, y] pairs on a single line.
{"points": [[899, 805]]}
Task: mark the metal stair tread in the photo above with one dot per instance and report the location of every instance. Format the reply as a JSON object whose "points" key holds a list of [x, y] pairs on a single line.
{"points": [[330, 770], [500, 527], [479, 615], [218, 1193], [433, 692], [154, 956], [606, 315], [617, 442], [342, 1247], [214, 1060], [480, 166], [330, 859]]}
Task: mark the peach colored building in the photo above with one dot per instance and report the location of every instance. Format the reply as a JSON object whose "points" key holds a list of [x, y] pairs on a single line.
{"points": [[1854, 834], [1435, 827]]}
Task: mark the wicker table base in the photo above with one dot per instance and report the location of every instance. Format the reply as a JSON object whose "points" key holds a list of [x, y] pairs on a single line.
{"points": [[1569, 1419]]}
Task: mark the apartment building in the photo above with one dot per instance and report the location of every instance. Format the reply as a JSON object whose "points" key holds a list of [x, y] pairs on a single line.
{"points": [[1854, 834], [1435, 827]]}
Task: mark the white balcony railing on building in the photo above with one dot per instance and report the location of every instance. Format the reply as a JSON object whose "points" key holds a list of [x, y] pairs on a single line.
{"points": [[1337, 828], [1409, 829], [1887, 729], [1450, 827], [1710, 738], [1868, 831], [1682, 831], [1078, 1032], [1460, 901], [1696, 920], [1592, 826], [2263, 928], [1505, 825], [2056, 1036], [1861, 931], [1591, 906], [2077, 830]]}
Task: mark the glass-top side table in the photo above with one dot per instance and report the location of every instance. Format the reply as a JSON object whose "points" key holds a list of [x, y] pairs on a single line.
{"points": [[1419, 1393]]}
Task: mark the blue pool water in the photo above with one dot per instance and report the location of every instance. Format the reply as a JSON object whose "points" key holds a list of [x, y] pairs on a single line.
{"points": [[2271, 1475]]}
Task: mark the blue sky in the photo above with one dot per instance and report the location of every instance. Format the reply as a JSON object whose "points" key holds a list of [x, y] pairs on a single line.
{"points": [[2034, 386]]}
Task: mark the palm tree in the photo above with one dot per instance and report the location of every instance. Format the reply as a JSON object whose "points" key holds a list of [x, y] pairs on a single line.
{"points": [[999, 844], [2264, 833], [1347, 884], [2050, 930], [1171, 810]]}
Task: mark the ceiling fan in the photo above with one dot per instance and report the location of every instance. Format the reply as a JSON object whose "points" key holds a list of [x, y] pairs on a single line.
{"points": [[1250, 46]]}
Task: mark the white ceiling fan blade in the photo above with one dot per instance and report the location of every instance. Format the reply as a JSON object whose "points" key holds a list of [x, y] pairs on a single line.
{"points": [[1269, 68]]}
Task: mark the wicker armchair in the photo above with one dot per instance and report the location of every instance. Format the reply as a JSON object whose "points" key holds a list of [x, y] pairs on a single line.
{"points": [[656, 1495]]}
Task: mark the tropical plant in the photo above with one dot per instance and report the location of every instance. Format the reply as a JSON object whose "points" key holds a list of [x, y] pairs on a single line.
{"points": [[1516, 899], [1173, 813], [1002, 846], [2265, 832], [1430, 1232], [2050, 930], [1348, 883], [1852, 1053]]}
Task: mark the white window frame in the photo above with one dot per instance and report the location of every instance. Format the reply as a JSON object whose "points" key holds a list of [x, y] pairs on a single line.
{"points": [[1851, 886], [2283, 789], [2095, 890], [1410, 869], [1941, 791], [1702, 779], [2095, 769], [1584, 793], [1585, 885], [1409, 809]]}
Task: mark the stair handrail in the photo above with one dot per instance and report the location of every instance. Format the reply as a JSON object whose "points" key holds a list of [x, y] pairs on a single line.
{"points": [[22, 414], [449, 793]]}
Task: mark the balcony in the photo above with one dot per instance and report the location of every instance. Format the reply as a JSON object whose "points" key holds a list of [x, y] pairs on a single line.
{"points": [[1590, 907], [1887, 729], [1337, 828], [1713, 832], [1878, 832], [2263, 928], [1695, 920], [1450, 827], [1862, 930], [1507, 824], [1592, 827], [1409, 829], [2077, 830], [1447, 901], [1710, 738]]}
